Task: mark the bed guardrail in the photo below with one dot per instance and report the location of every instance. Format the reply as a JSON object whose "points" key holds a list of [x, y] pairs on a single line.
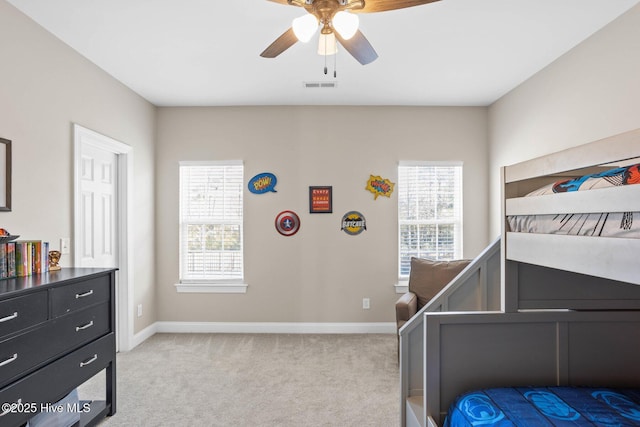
{"points": [[476, 288]]}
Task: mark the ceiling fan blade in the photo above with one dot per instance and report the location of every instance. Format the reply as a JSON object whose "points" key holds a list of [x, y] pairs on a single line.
{"points": [[282, 43], [371, 6], [359, 47]]}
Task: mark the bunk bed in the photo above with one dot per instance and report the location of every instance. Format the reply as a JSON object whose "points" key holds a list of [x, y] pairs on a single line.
{"points": [[476, 288], [570, 318]]}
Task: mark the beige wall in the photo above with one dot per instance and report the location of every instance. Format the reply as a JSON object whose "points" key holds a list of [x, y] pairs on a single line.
{"points": [[320, 274], [590, 93], [45, 87]]}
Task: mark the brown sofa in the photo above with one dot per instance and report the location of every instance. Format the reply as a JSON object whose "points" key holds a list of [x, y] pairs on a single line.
{"points": [[426, 278]]}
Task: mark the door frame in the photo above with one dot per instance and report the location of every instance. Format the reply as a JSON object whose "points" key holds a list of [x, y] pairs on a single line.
{"points": [[124, 155]]}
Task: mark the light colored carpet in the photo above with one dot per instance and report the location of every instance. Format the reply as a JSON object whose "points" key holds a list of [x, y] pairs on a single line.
{"points": [[257, 380]]}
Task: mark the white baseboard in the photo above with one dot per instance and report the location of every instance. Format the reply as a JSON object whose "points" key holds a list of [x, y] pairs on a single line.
{"points": [[144, 334], [277, 327], [261, 328]]}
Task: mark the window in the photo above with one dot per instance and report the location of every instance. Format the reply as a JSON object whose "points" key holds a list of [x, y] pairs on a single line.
{"points": [[429, 212], [211, 222]]}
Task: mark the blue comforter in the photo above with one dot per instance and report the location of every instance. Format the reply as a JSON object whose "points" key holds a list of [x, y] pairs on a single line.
{"points": [[546, 406]]}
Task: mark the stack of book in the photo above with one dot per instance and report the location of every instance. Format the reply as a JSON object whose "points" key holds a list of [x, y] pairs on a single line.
{"points": [[23, 258]]}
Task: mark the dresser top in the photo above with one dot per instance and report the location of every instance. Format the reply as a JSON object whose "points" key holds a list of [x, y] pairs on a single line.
{"points": [[19, 285]]}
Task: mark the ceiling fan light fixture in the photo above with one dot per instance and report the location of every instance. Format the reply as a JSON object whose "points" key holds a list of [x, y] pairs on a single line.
{"points": [[304, 27], [346, 24], [327, 44]]}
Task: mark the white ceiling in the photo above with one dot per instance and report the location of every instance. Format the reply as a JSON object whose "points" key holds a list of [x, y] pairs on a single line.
{"points": [[206, 52]]}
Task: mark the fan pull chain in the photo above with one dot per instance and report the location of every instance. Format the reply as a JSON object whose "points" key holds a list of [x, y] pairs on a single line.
{"points": [[335, 61], [325, 56]]}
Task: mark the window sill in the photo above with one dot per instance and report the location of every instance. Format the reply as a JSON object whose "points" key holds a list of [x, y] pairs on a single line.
{"points": [[212, 288], [402, 287]]}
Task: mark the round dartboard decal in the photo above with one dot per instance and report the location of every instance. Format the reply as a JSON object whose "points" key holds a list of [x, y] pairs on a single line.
{"points": [[287, 223]]}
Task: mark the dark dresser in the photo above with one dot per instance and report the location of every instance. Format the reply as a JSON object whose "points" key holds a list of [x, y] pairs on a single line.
{"points": [[57, 330]]}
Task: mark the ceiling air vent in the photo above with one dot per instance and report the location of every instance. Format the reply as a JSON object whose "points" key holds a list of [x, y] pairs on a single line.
{"points": [[320, 85]]}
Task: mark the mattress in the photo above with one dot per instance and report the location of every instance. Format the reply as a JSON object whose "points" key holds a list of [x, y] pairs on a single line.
{"points": [[605, 224], [616, 224], [546, 406]]}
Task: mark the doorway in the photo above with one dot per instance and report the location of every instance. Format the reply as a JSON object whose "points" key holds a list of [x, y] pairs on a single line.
{"points": [[102, 181]]}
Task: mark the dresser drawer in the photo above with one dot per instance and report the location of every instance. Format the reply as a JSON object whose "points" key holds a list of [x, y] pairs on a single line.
{"points": [[21, 312], [77, 296], [81, 327], [24, 352], [54, 381]]}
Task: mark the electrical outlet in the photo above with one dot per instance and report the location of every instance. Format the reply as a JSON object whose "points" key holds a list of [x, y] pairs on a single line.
{"points": [[139, 310], [65, 245], [366, 304]]}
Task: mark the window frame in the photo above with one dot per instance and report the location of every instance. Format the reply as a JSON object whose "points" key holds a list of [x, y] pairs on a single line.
{"points": [[456, 222], [210, 284]]}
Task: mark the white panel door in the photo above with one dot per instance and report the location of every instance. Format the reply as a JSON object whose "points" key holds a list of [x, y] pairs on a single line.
{"points": [[98, 198], [103, 168]]}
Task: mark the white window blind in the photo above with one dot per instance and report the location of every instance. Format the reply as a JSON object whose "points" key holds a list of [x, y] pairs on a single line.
{"points": [[211, 221], [429, 212]]}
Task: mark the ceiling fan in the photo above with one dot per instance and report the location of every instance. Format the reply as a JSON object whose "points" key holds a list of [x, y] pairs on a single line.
{"points": [[338, 21]]}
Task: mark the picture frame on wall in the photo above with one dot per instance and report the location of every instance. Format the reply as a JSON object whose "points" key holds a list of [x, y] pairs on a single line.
{"points": [[5, 175], [321, 199]]}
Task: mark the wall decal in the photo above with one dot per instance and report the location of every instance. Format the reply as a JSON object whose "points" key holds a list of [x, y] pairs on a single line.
{"points": [[353, 223], [263, 183], [320, 199], [287, 223], [379, 186]]}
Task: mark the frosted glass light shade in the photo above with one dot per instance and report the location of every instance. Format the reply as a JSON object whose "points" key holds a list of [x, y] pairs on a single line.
{"points": [[346, 24], [327, 44], [304, 27]]}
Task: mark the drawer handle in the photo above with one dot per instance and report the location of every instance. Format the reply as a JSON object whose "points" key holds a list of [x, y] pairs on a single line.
{"points": [[86, 294], [89, 361], [9, 360], [9, 317], [88, 325], [10, 407]]}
